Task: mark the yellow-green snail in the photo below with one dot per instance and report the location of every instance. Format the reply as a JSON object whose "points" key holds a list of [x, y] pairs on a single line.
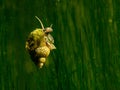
{"points": [[39, 44]]}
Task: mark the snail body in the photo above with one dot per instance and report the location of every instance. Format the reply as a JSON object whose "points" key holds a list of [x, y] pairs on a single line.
{"points": [[39, 44]]}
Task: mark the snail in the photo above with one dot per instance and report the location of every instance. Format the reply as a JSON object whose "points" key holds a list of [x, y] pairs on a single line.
{"points": [[39, 44]]}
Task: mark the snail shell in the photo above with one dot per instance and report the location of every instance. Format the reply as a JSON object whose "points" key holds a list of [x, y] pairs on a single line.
{"points": [[39, 44]]}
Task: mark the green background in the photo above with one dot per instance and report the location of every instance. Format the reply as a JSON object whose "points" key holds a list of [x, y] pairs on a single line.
{"points": [[87, 38]]}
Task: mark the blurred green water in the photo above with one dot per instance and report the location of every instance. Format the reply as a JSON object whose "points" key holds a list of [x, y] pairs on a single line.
{"points": [[86, 35]]}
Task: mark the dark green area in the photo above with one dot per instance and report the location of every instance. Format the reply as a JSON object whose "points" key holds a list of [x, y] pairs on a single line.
{"points": [[87, 38]]}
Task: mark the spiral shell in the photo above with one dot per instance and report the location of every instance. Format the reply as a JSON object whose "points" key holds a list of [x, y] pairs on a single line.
{"points": [[39, 44]]}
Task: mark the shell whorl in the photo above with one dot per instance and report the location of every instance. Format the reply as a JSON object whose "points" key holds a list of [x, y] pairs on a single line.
{"points": [[42, 51], [41, 62]]}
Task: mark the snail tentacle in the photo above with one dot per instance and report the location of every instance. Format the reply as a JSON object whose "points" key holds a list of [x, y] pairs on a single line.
{"points": [[40, 22]]}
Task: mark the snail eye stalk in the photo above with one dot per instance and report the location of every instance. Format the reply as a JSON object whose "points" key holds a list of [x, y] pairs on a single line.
{"points": [[40, 22]]}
